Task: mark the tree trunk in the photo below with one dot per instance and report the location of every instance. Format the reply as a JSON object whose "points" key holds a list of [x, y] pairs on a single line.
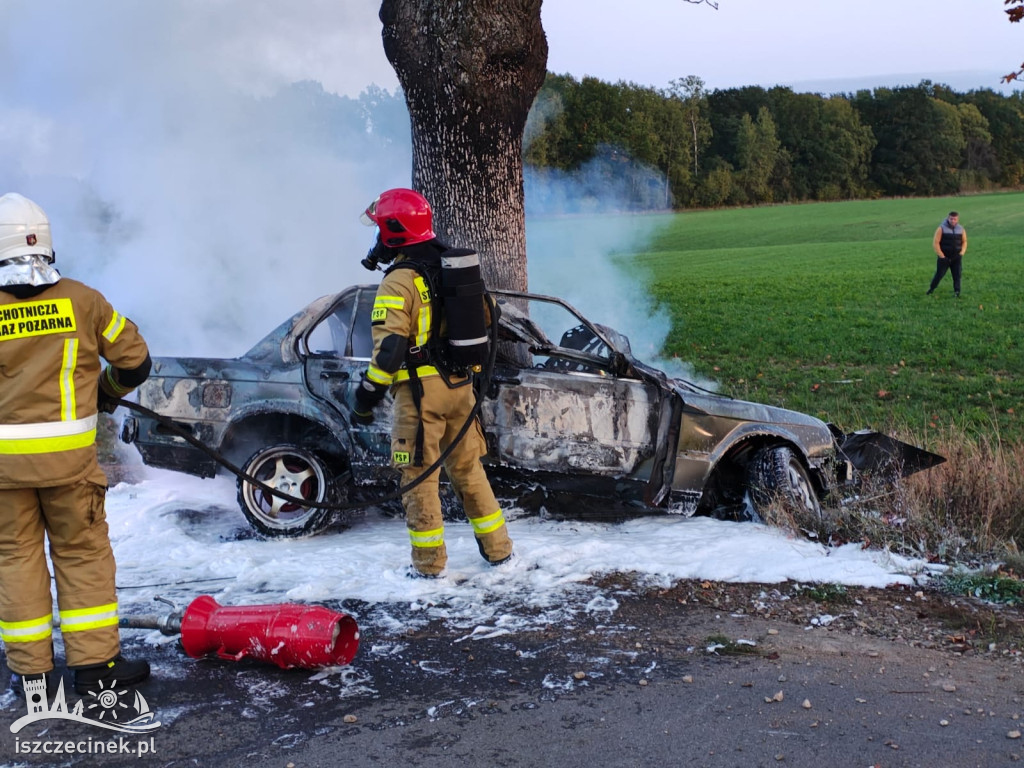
{"points": [[470, 72]]}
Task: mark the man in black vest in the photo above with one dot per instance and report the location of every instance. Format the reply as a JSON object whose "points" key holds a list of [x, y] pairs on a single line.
{"points": [[949, 244]]}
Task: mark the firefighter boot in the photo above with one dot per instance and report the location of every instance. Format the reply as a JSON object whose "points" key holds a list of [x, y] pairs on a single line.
{"points": [[117, 671], [18, 680], [20, 683], [499, 560]]}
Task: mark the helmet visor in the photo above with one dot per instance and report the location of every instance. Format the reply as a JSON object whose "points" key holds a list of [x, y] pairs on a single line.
{"points": [[369, 216]]}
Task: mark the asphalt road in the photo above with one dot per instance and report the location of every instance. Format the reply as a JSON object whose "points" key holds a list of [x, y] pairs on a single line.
{"points": [[639, 688]]}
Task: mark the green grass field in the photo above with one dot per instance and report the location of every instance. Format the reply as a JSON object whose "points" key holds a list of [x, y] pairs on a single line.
{"points": [[822, 308]]}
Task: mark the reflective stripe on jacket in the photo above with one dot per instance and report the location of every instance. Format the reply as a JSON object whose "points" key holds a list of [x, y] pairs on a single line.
{"points": [[403, 307]]}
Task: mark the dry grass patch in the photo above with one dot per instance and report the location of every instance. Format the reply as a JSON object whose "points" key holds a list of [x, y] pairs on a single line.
{"points": [[968, 510]]}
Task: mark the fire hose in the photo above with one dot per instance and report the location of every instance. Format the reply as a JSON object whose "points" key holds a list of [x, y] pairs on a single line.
{"points": [[195, 442]]}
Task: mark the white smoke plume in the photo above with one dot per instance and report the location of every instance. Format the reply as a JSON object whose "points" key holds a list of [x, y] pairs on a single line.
{"points": [[581, 227], [184, 175]]}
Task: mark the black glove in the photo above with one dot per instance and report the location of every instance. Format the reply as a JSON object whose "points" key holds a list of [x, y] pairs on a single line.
{"points": [[367, 396], [363, 419], [106, 403]]}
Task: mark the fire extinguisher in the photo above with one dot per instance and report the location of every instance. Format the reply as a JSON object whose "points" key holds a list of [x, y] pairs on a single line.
{"points": [[286, 634]]}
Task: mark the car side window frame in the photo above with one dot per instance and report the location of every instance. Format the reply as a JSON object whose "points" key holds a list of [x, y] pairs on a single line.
{"points": [[336, 325], [566, 359], [360, 337]]}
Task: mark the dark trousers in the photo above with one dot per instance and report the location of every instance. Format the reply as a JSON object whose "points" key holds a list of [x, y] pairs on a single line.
{"points": [[951, 263]]}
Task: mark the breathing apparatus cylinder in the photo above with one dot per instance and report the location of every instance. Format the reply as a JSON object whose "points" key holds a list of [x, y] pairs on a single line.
{"points": [[462, 289]]}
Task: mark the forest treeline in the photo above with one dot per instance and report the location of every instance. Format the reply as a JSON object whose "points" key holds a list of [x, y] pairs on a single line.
{"points": [[688, 147]]}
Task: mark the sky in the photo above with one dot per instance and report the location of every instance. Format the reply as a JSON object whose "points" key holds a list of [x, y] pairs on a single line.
{"points": [[815, 45], [809, 45]]}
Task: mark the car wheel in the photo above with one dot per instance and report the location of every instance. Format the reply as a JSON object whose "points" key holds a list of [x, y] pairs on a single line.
{"points": [[781, 491], [296, 472]]}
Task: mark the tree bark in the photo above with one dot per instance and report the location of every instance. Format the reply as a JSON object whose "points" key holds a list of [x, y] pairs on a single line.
{"points": [[470, 72]]}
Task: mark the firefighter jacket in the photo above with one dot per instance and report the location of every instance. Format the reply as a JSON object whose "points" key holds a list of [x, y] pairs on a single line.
{"points": [[50, 350], [402, 319]]}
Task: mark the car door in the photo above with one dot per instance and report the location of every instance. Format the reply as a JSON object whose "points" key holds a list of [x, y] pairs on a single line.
{"points": [[567, 406], [337, 350]]}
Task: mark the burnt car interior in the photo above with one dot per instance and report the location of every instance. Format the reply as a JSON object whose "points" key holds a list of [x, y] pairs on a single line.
{"points": [[346, 331], [582, 347]]}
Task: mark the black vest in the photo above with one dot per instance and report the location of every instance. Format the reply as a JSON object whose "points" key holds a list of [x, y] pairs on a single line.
{"points": [[952, 239]]}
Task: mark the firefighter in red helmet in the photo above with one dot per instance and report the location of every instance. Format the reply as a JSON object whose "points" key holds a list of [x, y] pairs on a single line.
{"points": [[429, 373], [53, 333]]}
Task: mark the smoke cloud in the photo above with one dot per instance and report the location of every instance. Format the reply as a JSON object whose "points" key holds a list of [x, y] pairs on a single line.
{"points": [[581, 227], [186, 173]]}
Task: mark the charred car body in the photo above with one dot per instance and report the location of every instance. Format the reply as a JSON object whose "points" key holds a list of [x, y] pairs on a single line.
{"points": [[570, 416]]}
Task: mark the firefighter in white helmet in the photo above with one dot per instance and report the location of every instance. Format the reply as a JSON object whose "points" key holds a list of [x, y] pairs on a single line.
{"points": [[53, 332], [433, 396]]}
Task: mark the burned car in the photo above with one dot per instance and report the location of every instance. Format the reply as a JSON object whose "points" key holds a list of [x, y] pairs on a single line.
{"points": [[571, 419]]}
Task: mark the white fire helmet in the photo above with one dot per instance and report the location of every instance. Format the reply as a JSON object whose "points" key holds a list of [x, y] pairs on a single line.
{"points": [[24, 229]]}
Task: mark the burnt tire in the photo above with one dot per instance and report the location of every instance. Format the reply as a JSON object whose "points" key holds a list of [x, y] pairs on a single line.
{"points": [[295, 471], [781, 490]]}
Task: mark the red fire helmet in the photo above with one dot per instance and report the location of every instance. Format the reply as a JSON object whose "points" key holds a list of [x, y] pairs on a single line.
{"points": [[403, 215]]}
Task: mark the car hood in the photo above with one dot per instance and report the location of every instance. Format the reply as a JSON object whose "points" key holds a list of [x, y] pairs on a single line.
{"points": [[743, 410]]}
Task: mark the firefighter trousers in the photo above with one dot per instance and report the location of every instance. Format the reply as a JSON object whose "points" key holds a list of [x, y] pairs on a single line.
{"points": [[443, 411], [73, 518]]}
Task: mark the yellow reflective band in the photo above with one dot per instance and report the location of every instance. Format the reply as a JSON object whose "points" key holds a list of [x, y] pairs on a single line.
{"points": [[424, 291], [389, 302], [47, 444], [36, 318], [67, 380], [43, 429], [81, 619], [27, 631], [422, 372], [82, 626], [114, 328], [423, 333], [74, 613], [47, 437], [488, 523], [381, 305], [426, 539], [379, 376]]}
